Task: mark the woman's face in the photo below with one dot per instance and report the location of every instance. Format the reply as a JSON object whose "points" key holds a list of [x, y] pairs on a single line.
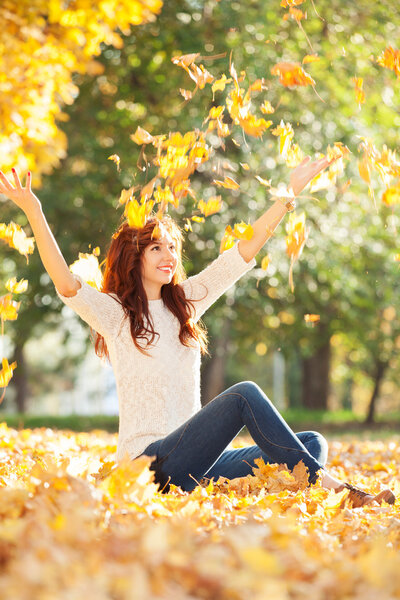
{"points": [[159, 263]]}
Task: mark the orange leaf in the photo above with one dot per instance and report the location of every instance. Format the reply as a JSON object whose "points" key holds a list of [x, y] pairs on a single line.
{"points": [[310, 318], [291, 74]]}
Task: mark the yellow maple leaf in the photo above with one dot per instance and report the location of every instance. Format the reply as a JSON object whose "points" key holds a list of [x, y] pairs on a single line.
{"points": [[8, 308], [17, 288], [228, 183], [212, 206], [6, 373]]}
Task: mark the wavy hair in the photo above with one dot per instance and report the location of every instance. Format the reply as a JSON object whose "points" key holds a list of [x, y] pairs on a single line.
{"points": [[122, 276]]}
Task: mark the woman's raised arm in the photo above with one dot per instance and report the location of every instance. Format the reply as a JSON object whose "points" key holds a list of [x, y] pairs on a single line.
{"points": [[50, 253], [264, 227]]}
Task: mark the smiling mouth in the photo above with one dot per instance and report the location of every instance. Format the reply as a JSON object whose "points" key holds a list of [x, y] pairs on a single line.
{"points": [[165, 269]]}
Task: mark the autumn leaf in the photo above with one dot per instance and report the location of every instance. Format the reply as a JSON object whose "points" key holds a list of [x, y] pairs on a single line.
{"points": [[212, 206], [228, 241], [310, 318], [87, 266], [141, 136], [390, 58], [285, 133], [295, 240], [265, 262], [6, 373], [116, 159], [228, 183], [294, 13], [310, 58], [267, 108], [8, 308], [358, 85], [220, 84], [391, 195], [17, 287], [241, 231], [292, 74], [137, 214], [16, 238]]}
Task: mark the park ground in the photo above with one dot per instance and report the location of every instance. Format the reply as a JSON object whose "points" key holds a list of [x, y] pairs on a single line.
{"points": [[72, 523]]}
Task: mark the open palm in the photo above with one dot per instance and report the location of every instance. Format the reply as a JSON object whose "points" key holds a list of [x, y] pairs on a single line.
{"points": [[305, 172], [23, 197]]}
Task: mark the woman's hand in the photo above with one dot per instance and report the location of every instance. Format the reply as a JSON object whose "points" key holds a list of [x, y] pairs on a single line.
{"points": [[21, 196], [305, 172]]}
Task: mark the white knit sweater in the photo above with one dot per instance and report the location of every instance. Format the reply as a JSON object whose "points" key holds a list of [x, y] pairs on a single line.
{"points": [[156, 393]]}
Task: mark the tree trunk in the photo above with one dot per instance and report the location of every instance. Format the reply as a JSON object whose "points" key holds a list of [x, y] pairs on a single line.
{"points": [[380, 368], [213, 373], [315, 380], [20, 379]]}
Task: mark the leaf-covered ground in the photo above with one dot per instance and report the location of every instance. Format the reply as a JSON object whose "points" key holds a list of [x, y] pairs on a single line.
{"points": [[74, 526]]}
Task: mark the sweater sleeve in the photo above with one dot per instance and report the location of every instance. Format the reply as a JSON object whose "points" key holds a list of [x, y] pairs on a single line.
{"points": [[100, 310], [208, 285]]}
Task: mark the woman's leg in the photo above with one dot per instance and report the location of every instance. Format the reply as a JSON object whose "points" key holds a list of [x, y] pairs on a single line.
{"points": [[186, 454], [240, 462]]}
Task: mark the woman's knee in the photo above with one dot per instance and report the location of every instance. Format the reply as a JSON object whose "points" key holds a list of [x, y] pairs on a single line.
{"points": [[316, 444], [246, 388]]}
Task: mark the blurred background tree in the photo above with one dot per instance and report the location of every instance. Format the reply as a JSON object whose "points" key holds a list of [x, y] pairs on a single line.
{"points": [[347, 273]]}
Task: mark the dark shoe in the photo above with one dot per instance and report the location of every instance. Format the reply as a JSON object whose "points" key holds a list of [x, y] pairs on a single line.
{"points": [[360, 498]]}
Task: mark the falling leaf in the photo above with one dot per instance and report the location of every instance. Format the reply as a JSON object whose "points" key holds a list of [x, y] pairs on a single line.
{"points": [[87, 266], [228, 241], [310, 58], [294, 156], [265, 182], [265, 262], [6, 373], [187, 94], [358, 85], [16, 238], [198, 219], [141, 136], [185, 60], [267, 108], [212, 206], [126, 195], [137, 214], [285, 133], [245, 166], [116, 159], [8, 308], [17, 288], [295, 240], [291, 74], [219, 84], [390, 58], [391, 195], [228, 183], [310, 318], [241, 231], [294, 13], [289, 3]]}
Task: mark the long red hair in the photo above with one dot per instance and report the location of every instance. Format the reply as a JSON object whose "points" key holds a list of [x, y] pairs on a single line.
{"points": [[122, 276]]}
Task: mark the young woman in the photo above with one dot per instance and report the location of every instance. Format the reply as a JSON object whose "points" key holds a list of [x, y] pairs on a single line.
{"points": [[146, 320]]}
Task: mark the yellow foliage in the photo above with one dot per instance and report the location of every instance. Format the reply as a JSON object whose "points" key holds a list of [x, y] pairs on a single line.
{"points": [[82, 522], [41, 45]]}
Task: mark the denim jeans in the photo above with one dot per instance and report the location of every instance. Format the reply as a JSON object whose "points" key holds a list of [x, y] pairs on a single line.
{"points": [[197, 449]]}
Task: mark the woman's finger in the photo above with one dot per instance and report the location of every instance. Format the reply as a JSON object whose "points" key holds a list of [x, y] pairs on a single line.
{"points": [[5, 181], [16, 178], [28, 180]]}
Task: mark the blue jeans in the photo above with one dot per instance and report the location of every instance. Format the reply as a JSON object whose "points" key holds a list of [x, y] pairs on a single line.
{"points": [[197, 448]]}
